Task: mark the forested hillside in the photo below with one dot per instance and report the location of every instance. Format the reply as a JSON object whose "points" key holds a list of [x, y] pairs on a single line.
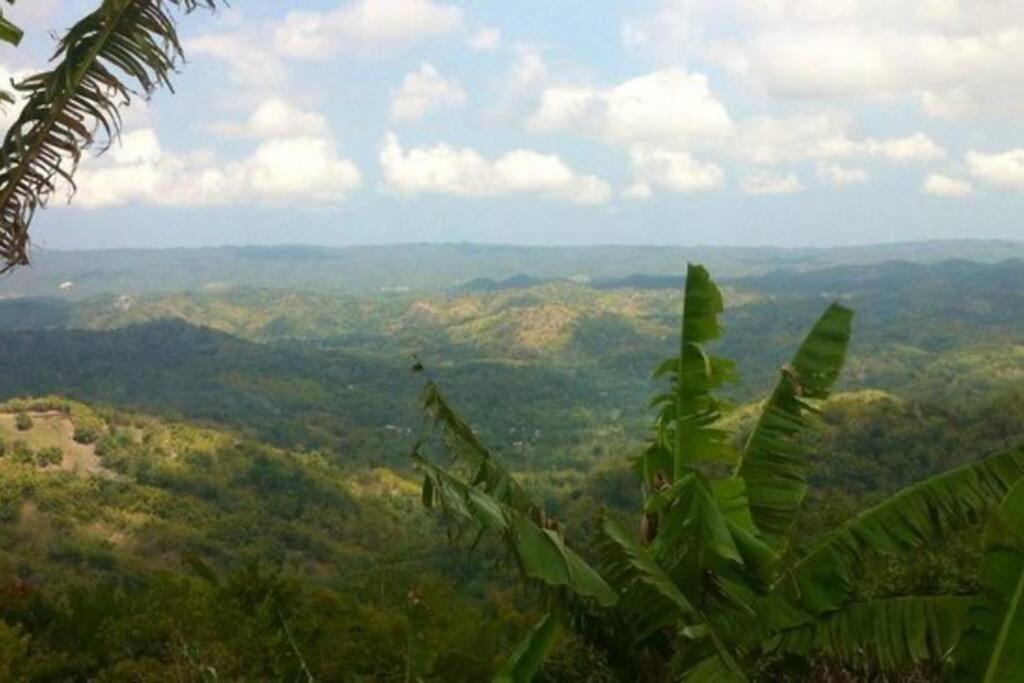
{"points": [[222, 479], [548, 372]]}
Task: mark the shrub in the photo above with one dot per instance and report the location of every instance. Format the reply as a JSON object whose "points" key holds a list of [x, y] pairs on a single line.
{"points": [[23, 422], [50, 456], [21, 453], [87, 433]]}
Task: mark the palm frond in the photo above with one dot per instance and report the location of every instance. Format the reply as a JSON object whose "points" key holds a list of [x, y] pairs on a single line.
{"points": [[122, 46], [10, 32], [775, 462], [929, 512], [991, 647]]}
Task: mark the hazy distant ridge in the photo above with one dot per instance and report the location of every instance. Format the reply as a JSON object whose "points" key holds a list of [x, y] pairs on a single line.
{"points": [[431, 266]]}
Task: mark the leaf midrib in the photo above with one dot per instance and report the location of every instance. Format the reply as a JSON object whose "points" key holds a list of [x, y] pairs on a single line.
{"points": [[1004, 632]]}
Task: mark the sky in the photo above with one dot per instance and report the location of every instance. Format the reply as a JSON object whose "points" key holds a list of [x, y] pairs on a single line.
{"points": [[726, 122]]}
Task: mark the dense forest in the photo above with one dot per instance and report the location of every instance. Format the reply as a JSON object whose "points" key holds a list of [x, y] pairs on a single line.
{"points": [[217, 483]]}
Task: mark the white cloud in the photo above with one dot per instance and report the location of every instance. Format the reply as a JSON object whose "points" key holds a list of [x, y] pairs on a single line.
{"points": [[245, 52], [275, 117], [955, 57], [671, 170], [825, 136], [669, 107], [945, 186], [763, 182], [914, 148], [369, 28], [423, 91], [485, 39], [836, 175], [293, 170], [519, 88], [1004, 169], [443, 169]]}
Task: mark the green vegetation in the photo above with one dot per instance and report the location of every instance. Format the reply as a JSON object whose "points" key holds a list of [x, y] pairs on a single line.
{"points": [[23, 422], [715, 587], [260, 440]]}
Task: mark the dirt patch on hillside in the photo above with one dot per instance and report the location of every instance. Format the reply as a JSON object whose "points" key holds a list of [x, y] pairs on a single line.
{"points": [[55, 429]]}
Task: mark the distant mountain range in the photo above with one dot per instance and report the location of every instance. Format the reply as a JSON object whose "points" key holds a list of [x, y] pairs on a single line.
{"points": [[81, 274]]}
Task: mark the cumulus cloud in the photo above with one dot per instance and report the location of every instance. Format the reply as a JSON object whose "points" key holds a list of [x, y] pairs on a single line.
{"points": [[423, 91], [485, 39], [824, 136], [298, 169], [443, 169], [1004, 169], [368, 28], [955, 57], [837, 176], [250, 62], [945, 186], [274, 117], [670, 170], [671, 114], [765, 182], [669, 107]]}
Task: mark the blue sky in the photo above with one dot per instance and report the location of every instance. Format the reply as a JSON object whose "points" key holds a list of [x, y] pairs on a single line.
{"points": [[783, 122]]}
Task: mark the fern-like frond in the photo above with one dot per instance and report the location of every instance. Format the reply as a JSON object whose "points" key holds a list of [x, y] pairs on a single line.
{"points": [[775, 462], [122, 47]]}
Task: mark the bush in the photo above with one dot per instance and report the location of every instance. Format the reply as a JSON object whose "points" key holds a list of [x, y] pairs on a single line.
{"points": [[87, 433], [21, 453], [23, 422], [50, 456]]}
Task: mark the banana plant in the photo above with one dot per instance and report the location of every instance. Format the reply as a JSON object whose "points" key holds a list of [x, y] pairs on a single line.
{"points": [[712, 586]]}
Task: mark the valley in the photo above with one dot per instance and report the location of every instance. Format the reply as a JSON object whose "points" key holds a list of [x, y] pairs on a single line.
{"points": [[248, 448]]}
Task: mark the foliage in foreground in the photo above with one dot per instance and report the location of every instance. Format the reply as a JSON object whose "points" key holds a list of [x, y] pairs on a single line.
{"points": [[121, 48], [712, 588]]}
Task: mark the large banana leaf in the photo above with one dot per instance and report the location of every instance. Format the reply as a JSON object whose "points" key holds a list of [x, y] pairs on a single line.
{"points": [[540, 553], [992, 647], [486, 469], [529, 655], [122, 47], [929, 512], [689, 410], [886, 634], [775, 462], [651, 600]]}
